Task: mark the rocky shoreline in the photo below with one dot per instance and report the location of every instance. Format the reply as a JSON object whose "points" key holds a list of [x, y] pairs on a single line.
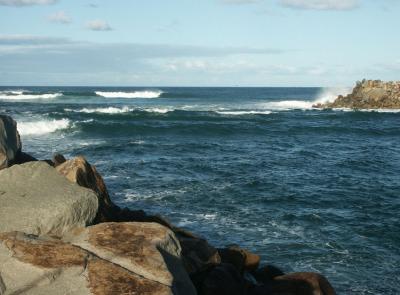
{"points": [[368, 94], [60, 233]]}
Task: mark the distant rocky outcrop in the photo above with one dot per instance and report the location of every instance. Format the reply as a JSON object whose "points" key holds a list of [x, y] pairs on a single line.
{"points": [[369, 94], [60, 233]]}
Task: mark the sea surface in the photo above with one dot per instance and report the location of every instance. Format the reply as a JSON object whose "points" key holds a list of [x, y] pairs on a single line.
{"points": [[309, 190]]}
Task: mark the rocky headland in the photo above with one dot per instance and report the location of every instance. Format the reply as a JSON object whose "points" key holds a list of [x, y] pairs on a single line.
{"points": [[368, 94], [60, 233]]}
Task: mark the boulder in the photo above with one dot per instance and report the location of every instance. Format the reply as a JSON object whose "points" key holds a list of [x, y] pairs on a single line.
{"points": [[35, 199], [267, 273], [224, 279], [149, 250], [305, 283], [242, 259], [58, 159], [79, 171], [10, 143], [31, 265], [198, 255]]}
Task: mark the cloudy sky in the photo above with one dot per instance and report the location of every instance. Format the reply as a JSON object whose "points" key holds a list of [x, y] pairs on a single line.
{"points": [[198, 43]]}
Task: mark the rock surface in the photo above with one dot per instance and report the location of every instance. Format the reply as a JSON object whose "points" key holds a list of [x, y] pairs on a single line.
{"points": [[369, 94], [10, 143], [110, 258], [148, 249], [35, 199], [79, 171]]}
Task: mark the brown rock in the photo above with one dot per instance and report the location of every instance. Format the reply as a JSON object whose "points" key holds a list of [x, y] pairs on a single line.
{"points": [[106, 259], [242, 259], [305, 283], [108, 279], [149, 250], [79, 171]]}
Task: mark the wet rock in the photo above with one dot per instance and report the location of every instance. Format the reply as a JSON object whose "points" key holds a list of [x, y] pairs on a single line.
{"points": [[305, 283], [267, 273], [10, 143], [242, 259], [24, 158], [58, 159], [198, 255], [35, 199], [223, 279]]}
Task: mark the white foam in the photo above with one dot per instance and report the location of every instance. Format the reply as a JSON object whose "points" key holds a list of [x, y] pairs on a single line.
{"points": [[109, 110], [134, 94], [19, 95], [158, 110], [238, 113], [42, 126], [325, 96], [289, 105]]}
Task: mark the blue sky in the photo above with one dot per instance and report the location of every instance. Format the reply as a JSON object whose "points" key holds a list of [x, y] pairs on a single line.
{"points": [[198, 43]]}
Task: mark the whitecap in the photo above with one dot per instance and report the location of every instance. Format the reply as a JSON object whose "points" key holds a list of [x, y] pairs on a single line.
{"points": [[238, 113], [326, 95], [42, 126], [19, 95], [158, 110], [134, 94], [108, 110]]}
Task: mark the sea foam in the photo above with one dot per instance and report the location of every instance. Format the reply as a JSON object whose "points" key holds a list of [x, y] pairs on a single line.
{"points": [[239, 113], [134, 94], [326, 95], [108, 110], [42, 126], [19, 95]]}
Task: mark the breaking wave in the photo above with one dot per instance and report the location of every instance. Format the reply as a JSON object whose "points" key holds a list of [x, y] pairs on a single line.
{"points": [[134, 94], [239, 113], [21, 95], [326, 95], [42, 126]]}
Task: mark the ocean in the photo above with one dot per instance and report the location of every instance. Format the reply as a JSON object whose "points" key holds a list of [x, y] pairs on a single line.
{"points": [[307, 189]]}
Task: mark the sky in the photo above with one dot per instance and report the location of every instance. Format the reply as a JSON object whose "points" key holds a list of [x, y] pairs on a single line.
{"points": [[198, 43]]}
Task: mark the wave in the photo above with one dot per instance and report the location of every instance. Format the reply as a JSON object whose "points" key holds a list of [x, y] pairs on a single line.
{"points": [[115, 110], [238, 113], [108, 110], [134, 94], [42, 127], [325, 96], [20, 95]]}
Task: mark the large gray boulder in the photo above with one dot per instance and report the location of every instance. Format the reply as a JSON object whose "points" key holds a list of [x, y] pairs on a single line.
{"points": [[10, 143], [35, 199]]}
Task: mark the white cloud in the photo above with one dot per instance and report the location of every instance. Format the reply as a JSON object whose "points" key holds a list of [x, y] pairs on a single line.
{"points": [[60, 17], [321, 4], [26, 2], [98, 25]]}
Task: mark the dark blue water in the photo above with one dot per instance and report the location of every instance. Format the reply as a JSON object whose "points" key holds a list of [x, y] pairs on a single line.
{"points": [[309, 190]]}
